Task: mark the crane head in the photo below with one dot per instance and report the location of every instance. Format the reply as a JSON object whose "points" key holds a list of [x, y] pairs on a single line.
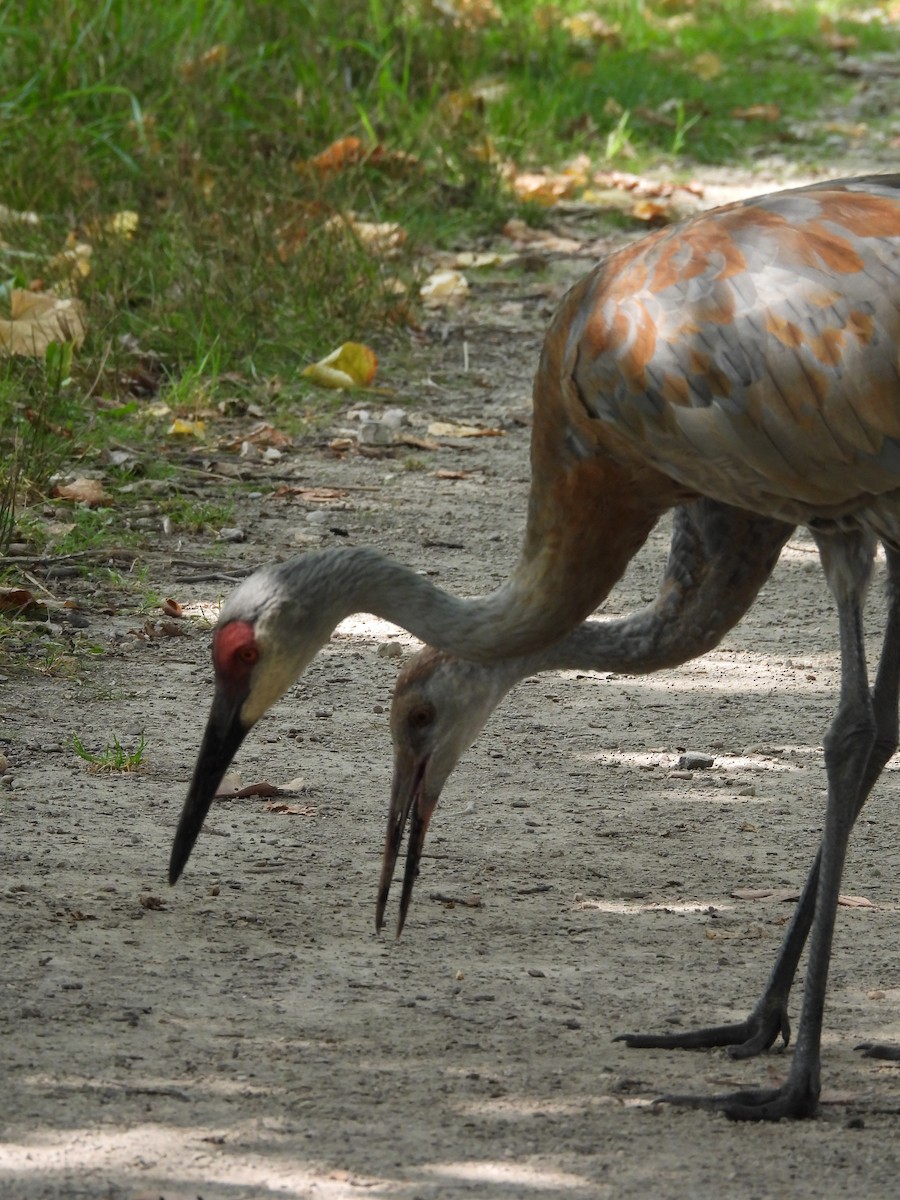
{"points": [[266, 635], [440, 705]]}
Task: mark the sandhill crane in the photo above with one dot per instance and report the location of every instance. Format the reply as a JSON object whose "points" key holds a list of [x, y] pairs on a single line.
{"points": [[748, 356]]}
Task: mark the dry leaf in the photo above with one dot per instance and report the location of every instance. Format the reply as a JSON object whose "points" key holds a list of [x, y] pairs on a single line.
{"points": [[213, 57], [9, 216], [315, 495], [383, 238], [74, 260], [13, 599], [262, 434], [445, 429], [182, 428], [757, 112], [83, 491], [293, 810], [654, 212], [444, 287], [707, 66], [545, 188], [589, 30], [38, 320], [345, 152], [172, 608], [352, 365], [123, 224]]}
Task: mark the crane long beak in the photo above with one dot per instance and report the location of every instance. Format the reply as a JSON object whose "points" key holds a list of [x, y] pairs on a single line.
{"points": [[224, 733], [410, 802]]}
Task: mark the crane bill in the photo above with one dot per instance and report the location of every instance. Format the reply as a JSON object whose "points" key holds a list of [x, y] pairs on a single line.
{"points": [[407, 797], [223, 735], [418, 827]]}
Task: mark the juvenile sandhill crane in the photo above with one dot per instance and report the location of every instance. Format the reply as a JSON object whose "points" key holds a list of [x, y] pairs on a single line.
{"points": [[748, 356]]}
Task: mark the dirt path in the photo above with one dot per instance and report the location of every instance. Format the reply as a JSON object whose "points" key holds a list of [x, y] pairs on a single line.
{"points": [[253, 1037]]}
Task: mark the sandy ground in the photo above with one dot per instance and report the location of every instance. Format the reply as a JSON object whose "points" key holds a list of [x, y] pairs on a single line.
{"points": [[251, 1036]]}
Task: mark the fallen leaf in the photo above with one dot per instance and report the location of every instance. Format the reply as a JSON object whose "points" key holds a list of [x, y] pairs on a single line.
{"points": [[415, 443], [757, 112], [74, 260], [83, 491], [262, 434], [383, 238], [445, 429], [352, 365], [589, 30], [342, 153], [39, 319], [543, 188], [123, 224], [707, 66], [182, 428], [540, 239], [293, 810], [654, 212], [213, 57], [9, 216], [172, 608], [12, 598], [782, 895], [444, 287], [315, 495]]}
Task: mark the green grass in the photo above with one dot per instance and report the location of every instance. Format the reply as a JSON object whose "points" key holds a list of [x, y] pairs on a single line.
{"points": [[203, 117], [112, 758]]}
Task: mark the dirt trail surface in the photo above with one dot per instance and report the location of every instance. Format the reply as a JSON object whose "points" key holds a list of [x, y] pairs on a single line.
{"points": [[247, 1034]]}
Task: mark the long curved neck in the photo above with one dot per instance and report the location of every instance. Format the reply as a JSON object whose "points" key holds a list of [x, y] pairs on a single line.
{"points": [[719, 559]]}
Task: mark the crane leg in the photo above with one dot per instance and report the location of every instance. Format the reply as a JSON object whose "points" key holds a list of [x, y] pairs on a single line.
{"points": [[769, 1018], [862, 739]]}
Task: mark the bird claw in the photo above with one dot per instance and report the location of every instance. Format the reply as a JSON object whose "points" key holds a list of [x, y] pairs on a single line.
{"points": [[879, 1050], [744, 1039], [763, 1104]]}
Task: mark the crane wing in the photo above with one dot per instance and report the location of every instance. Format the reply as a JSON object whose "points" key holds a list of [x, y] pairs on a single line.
{"points": [[752, 353]]}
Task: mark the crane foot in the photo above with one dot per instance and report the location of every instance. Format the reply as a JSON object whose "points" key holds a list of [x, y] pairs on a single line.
{"points": [[796, 1099], [744, 1039], [878, 1050]]}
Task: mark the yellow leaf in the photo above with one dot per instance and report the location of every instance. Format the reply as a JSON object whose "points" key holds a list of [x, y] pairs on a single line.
{"points": [[447, 429], [39, 319], [123, 224], [352, 365], [444, 287], [707, 66], [182, 428]]}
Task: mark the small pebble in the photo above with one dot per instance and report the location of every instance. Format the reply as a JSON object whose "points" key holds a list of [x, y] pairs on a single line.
{"points": [[694, 762], [390, 650], [376, 433], [232, 535], [680, 775]]}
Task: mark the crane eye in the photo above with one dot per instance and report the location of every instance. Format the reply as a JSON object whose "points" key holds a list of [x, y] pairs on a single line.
{"points": [[247, 655], [421, 716]]}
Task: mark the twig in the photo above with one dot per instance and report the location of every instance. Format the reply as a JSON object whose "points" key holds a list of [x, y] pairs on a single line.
{"points": [[41, 560]]}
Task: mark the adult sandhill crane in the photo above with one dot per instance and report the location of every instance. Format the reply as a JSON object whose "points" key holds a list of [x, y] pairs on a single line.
{"points": [[748, 356], [719, 559]]}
